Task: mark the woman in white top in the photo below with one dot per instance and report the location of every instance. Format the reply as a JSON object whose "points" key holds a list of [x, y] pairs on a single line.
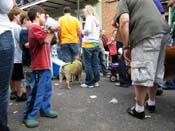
{"points": [[90, 47]]}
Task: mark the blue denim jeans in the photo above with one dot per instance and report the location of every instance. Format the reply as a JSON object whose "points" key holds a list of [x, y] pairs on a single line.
{"points": [[40, 94], [69, 52], [6, 66], [102, 61], [91, 64]]}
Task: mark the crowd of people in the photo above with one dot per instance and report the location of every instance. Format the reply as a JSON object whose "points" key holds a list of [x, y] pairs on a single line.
{"points": [[25, 41]]}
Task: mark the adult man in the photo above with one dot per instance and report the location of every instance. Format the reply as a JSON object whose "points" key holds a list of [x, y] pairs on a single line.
{"points": [[69, 35], [162, 12], [6, 62], [142, 27]]}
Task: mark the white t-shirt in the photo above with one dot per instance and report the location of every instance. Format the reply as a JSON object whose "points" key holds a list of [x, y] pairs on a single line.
{"points": [[16, 33]]}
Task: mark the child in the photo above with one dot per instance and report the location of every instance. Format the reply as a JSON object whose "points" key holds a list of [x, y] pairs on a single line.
{"points": [[40, 85], [102, 56], [112, 47], [17, 75], [24, 44]]}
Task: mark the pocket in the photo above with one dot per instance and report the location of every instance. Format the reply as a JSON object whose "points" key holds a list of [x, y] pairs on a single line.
{"points": [[152, 44], [142, 71]]}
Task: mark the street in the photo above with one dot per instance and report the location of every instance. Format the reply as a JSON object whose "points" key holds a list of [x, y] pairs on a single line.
{"points": [[83, 109]]}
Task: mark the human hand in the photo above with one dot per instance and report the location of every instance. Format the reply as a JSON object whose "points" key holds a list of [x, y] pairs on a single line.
{"points": [[115, 24], [26, 45], [127, 54]]}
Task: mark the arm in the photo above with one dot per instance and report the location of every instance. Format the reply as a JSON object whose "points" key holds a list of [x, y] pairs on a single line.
{"points": [[88, 27], [124, 31], [78, 32], [6, 5], [48, 38], [124, 28], [160, 8]]}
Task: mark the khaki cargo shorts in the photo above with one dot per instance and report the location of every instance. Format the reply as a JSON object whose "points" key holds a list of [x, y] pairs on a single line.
{"points": [[147, 62]]}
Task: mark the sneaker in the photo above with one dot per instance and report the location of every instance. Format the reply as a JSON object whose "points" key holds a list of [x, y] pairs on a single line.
{"points": [[151, 108], [21, 98], [122, 84], [13, 95], [90, 86], [117, 84], [30, 123], [86, 86], [51, 114], [96, 84], [131, 111]]}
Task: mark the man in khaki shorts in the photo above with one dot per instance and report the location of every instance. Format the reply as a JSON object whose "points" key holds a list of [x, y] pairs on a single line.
{"points": [[142, 27]]}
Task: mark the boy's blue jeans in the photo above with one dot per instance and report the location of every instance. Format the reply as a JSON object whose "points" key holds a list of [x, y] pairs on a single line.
{"points": [[6, 66], [40, 94], [91, 64]]}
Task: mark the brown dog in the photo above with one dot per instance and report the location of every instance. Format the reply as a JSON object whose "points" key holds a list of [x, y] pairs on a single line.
{"points": [[70, 69]]}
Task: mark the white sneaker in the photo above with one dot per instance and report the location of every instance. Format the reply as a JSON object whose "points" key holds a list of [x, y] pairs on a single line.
{"points": [[97, 84], [90, 86], [86, 86], [117, 84]]}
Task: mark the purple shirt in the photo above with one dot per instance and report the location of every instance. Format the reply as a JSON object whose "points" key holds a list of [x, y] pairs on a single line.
{"points": [[159, 6]]}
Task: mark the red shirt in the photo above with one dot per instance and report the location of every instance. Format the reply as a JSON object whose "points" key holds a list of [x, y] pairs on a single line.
{"points": [[112, 47], [40, 51]]}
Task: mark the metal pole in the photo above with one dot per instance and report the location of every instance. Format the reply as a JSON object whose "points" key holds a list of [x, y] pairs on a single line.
{"points": [[78, 9]]}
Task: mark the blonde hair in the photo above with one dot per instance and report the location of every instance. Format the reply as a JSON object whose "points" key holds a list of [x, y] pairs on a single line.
{"points": [[89, 10]]}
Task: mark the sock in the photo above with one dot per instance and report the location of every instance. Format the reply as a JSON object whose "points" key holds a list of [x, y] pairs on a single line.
{"points": [[151, 103], [139, 108]]}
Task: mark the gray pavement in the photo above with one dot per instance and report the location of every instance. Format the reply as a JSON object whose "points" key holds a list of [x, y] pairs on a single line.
{"points": [[78, 112]]}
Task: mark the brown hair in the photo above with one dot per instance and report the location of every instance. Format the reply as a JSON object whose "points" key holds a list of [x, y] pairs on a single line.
{"points": [[32, 13], [14, 12], [23, 16]]}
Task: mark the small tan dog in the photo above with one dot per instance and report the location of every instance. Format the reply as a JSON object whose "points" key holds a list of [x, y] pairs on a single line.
{"points": [[69, 70]]}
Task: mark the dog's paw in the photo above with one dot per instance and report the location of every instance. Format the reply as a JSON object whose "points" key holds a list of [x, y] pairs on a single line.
{"points": [[69, 88]]}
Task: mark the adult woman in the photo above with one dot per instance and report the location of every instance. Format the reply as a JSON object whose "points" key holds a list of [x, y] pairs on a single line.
{"points": [[90, 47]]}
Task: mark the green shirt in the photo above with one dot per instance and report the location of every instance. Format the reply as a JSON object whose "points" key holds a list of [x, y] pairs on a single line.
{"points": [[145, 20]]}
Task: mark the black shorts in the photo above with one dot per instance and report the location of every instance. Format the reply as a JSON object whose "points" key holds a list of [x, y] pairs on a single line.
{"points": [[17, 72]]}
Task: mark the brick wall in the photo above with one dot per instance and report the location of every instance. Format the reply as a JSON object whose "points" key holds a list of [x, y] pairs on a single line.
{"points": [[108, 12]]}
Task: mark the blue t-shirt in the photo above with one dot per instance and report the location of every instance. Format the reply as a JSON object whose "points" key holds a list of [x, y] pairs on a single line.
{"points": [[159, 6]]}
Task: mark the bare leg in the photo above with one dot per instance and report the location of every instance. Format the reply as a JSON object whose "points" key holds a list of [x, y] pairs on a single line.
{"points": [[152, 92], [140, 92], [12, 86], [18, 87]]}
